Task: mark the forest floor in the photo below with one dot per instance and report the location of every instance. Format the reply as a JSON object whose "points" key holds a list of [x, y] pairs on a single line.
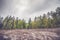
{"points": [[30, 34]]}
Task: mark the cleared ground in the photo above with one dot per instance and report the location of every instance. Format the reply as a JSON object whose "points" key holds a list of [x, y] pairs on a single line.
{"points": [[30, 34]]}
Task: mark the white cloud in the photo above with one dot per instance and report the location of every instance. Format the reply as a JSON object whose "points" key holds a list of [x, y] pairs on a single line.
{"points": [[28, 8]]}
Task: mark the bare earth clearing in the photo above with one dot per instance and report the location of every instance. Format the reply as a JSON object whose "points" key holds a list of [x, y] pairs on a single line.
{"points": [[30, 34]]}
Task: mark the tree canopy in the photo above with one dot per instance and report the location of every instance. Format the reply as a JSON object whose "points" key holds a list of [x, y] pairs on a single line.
{"points": [[49, 20]]}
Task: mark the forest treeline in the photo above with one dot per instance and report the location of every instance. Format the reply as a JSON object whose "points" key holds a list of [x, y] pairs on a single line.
{"points": [[49, 20]]}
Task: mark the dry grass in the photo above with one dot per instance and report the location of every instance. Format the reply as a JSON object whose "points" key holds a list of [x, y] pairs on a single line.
{"points": [[31, 34]]}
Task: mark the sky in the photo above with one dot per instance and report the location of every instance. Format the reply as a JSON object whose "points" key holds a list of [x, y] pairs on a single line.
{"points": [[27, 8]]}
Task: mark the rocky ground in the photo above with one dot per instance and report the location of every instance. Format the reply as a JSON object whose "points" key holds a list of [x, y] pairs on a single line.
{"points": [[30, 34]]}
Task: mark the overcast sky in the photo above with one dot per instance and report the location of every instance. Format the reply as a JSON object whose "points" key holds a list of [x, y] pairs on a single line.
{"points": [[27, 8]]}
